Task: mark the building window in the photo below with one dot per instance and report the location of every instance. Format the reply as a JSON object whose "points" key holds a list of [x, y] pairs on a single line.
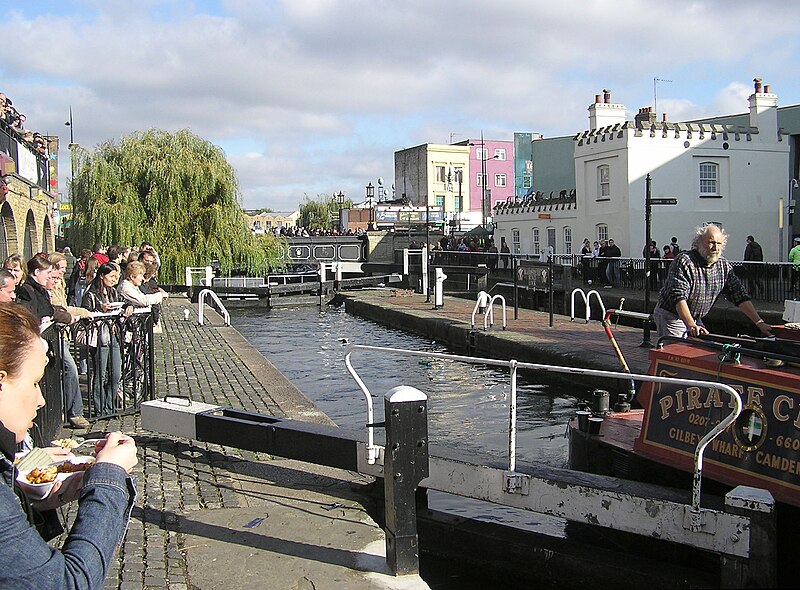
{"points": [[441, 175], [500, 154], [481, 153], [481, 179], [458, 174], [440, 200], [603, 182], [515, 241], [567, 240], [457, 202], [551, 240], [536, 240], [257, 224], [499, 179], [709, 178], [602, 232]]}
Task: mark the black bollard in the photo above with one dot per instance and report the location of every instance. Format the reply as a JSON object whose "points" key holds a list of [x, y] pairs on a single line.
{"points": [[405, 464]]}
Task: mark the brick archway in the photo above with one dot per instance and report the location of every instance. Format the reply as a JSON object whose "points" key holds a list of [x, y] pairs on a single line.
{"points": [[31, 239], [47, 235], [8, 232]]}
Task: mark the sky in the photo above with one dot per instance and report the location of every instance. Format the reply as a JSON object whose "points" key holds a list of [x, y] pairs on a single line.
{"points": [[312, 97]]}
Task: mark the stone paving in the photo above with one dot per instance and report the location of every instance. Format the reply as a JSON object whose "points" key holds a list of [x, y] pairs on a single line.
{"points": [[179, 480]]}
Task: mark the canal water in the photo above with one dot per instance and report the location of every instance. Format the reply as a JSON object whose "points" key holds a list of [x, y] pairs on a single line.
{"points": [[467, 404]]}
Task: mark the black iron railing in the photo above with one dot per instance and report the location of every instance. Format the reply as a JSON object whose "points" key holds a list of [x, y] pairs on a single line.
{"points": [[115, 361]]}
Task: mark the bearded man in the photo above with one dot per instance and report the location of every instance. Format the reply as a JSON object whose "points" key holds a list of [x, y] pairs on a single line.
{"points": [[696, 278]]}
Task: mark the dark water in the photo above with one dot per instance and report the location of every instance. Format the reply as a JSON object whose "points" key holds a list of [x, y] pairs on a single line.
{"points": [[468, 404]]}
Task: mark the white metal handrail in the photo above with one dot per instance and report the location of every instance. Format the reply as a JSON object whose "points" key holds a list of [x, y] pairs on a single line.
{"points": [[513, 366], [200, 302], [489, 315], [481, 303], [586, 299]]}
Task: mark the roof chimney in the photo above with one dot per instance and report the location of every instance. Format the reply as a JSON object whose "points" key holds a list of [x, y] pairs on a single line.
{"points": [[598, 98], [764, 112], [645, 115], [605, 113]]}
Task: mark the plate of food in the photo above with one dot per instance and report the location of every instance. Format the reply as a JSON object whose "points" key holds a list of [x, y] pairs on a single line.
{"points": [[39, 481]]}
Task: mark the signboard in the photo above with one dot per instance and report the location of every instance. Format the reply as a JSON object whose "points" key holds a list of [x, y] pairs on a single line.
{"points": [[409, 216], [760, 449], [663, 201]]}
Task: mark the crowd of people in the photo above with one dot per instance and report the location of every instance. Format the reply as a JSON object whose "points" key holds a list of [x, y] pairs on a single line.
{"points": [[60, 288], [14, 121]]}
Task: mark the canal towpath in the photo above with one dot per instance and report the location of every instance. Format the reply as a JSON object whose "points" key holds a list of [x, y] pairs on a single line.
{"points": [[209, 516]]}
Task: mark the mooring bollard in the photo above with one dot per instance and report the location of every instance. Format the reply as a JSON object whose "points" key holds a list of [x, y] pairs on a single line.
{"points": [[405, 465]]}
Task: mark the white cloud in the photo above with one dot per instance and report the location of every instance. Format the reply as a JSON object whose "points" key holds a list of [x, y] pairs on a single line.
{"points": [[320, 93]]}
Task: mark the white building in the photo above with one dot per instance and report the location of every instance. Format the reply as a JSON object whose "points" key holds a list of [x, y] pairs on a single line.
{"points": [[732, 175]]}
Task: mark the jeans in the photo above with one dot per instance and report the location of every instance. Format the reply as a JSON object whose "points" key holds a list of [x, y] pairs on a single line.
{"points": [[106, 378], [73, 404], [613, 272]]}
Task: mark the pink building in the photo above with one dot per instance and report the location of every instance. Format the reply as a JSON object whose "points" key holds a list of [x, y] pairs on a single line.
{"points": [[494, 159]]}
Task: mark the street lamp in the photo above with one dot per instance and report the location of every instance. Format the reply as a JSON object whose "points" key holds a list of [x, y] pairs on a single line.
{"points": [[370, 197], [340, 200]]}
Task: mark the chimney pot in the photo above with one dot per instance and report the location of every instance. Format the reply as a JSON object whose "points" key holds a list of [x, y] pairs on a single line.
{"points": [[606, 96], [766, 88], [757, 82], [598, 99]]}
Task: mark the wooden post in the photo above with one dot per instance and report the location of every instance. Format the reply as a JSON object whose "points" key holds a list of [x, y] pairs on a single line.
{"points": [[760, 570]]}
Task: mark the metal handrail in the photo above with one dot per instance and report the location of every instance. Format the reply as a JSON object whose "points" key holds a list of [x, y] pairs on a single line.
{"points": [[489, 315], [200, 301], [586, 297], [514, 365], [481, 302]]}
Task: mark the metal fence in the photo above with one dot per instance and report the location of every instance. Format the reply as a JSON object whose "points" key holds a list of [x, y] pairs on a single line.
{"points": [[764, 281], [115, 360]]}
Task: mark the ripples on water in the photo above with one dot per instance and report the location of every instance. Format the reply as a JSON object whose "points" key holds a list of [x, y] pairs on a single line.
{"points": [[468, 404]]}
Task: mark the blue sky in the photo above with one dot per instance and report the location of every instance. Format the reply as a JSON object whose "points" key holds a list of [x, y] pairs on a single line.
{"points": [[311, 97]]}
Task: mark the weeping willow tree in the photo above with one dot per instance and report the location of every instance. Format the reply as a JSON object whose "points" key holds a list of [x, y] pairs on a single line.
{"points": [[322, 212], [174, 190]]}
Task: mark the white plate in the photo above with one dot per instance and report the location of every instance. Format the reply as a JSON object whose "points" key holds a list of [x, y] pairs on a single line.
{"points": [[39, 491]]}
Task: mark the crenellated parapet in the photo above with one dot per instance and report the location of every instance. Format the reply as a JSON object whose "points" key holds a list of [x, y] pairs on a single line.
{"points": [[538, 202], [667, 130]]}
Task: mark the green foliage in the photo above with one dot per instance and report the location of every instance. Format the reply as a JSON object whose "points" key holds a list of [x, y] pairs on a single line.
{"points": [[322, 213], [176, 191]]}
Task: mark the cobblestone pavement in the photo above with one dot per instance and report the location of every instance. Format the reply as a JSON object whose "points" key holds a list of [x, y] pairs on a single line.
{"points": [[178, 477]]}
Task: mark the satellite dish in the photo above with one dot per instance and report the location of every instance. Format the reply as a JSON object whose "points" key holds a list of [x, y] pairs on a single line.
{"points": [[380, 181]]}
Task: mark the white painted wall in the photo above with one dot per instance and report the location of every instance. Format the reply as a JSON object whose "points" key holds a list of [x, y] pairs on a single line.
{"points": [[753, 169]]}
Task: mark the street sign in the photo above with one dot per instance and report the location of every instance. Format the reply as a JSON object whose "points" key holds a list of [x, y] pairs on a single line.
{"points": [[663, 201]]}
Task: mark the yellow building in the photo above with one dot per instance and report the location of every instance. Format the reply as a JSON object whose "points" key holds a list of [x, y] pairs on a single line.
{"points": [[262, 221]]}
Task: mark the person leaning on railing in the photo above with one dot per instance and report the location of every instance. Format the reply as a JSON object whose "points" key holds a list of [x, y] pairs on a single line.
{"points": [[131, 287], [104, 500], [103, 341]]}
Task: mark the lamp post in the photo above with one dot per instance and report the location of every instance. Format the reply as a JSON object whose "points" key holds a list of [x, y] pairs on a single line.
{"points": [[340, 201], [370, 197]]}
